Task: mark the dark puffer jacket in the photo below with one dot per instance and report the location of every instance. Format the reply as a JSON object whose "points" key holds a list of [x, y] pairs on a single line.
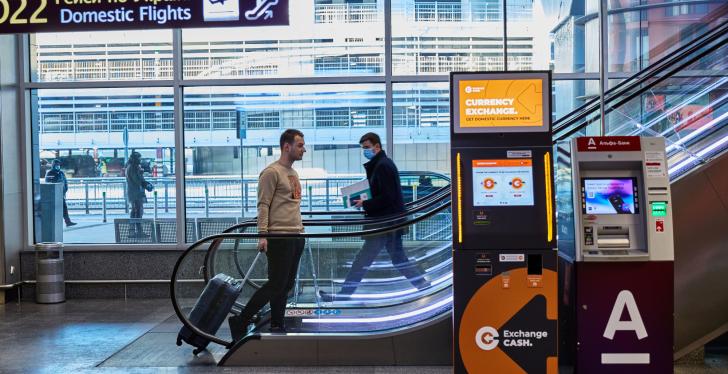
{"points": [[385, 186]]}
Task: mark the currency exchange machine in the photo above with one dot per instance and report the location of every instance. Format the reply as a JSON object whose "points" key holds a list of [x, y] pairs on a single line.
{"points": [[504, 255], [620, 277]]}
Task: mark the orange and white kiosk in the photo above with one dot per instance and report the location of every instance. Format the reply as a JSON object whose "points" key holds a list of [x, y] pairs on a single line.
{"points": [[504, 239]]}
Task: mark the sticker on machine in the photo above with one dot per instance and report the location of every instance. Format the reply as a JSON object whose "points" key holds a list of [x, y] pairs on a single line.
{"points": [[512, 257], [655, 165], [519, 154]]}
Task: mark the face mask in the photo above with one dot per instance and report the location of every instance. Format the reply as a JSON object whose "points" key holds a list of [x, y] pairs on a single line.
{"points": [[368, 153], [57, 167]]}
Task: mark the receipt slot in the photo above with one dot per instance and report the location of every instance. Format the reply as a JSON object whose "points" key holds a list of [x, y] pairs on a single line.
{"points": [[621, 244], [504, 255]]}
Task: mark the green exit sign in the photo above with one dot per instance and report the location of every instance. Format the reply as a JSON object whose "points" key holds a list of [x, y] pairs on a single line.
{"points": [[659, 208]]}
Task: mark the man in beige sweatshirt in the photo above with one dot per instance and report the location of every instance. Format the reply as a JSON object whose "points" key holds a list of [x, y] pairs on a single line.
{"points": [[279, 211]]}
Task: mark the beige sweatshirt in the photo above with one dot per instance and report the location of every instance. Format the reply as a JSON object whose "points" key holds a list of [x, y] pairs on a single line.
{"points": [[279, 200]]}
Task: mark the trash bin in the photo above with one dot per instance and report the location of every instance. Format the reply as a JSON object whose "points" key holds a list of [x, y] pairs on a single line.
{"points": [[49, 286]]}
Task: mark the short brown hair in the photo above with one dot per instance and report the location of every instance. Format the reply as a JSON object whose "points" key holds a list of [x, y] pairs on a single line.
{"points": [[372, 138], [289, 136]]}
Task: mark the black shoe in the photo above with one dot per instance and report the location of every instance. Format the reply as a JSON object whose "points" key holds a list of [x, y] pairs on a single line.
{"points": [[69, 223], [330, 297], [238, 327]]}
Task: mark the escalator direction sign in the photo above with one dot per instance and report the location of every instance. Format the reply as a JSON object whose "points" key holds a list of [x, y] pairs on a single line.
{"points": [[33, 16]]}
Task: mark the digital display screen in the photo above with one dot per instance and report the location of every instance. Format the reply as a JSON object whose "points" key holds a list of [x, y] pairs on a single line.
{"points": [[497, 102], [507, 182], [609, 196]]}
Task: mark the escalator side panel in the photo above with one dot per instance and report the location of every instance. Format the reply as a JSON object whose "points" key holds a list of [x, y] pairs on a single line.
{"points": [[700, 202]]}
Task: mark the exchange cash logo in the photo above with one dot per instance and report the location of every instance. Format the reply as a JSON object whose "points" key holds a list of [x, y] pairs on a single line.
{"points": [[221, 10], [488, 338]]}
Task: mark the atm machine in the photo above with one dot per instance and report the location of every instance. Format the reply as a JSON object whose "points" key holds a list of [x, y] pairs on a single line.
{"points": [[620, 281], [504, 255]]}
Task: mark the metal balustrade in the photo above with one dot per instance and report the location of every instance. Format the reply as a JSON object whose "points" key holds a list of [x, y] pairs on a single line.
{"points": [[210, 196]]}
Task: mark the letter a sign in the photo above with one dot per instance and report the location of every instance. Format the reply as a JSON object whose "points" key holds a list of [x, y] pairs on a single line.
{"points": [[625, 317], [625, 299]]}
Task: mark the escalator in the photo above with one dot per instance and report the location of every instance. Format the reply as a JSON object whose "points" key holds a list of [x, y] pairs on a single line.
{"points": [[386, 311], [682, 97]]}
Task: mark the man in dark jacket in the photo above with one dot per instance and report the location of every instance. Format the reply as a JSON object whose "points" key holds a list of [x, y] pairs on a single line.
{"points": [[55, 175], [386, 190], [136, 185]]}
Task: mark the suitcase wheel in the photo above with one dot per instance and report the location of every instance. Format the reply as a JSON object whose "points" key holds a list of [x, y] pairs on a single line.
{"points": [[197, 351]]}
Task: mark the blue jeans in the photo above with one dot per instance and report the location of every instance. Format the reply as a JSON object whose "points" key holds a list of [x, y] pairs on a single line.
{"points": [[373, 244]]}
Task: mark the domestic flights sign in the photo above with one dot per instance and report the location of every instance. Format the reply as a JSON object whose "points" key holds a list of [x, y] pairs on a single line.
{"points": [[30, 16]]}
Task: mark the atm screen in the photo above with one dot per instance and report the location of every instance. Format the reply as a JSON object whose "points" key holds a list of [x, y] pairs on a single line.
{"points": [[609, 196], [505, 182]]}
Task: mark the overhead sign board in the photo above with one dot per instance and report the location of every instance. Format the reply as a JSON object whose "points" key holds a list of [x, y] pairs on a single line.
{"points": [[31, 16], [608, 144], [500, 102]]}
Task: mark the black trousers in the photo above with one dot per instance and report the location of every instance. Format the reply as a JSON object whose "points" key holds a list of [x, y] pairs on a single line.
{"points": [[283, 258], [374, 244], [137, 211], [65, 211]]}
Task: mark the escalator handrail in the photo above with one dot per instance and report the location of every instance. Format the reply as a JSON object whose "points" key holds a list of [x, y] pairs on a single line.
{"points": [[638, 78], [391, 219], [644, 87], [425, 201], [650, 70], [173, 293]]}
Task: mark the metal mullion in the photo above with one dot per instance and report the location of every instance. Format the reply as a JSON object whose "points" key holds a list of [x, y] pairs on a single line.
{"points": [[603, 62], [389, 92], [505, 35], [179, 141], [23, 109]]}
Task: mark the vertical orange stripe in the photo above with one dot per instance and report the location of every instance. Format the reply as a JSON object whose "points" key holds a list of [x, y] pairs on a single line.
{"points": [[460, 200], [549, 203]]}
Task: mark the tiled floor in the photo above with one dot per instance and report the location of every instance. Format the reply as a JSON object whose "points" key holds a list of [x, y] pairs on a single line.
{"points": [[81, 336]]}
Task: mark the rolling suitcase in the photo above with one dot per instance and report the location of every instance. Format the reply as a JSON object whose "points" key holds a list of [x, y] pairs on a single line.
{"points": [[212, 307]]}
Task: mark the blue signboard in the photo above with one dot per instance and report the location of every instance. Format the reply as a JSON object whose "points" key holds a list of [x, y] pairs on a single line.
{"points": [[87, 15]]}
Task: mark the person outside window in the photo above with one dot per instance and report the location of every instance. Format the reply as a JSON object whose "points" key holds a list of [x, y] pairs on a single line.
{"points": [[386, 189], [136, 186], [56, 175], [279, 211]]}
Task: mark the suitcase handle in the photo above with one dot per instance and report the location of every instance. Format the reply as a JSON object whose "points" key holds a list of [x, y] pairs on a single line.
{"points": [[250, 269]]}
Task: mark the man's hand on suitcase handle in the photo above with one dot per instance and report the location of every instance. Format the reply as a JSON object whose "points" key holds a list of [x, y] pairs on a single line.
{"points": [[263, 245]]}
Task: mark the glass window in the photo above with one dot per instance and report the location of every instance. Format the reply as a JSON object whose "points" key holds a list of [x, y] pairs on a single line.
{"points": [[92, 134], [101, 56], [638, 38], [222, 163], [324, 38], [528, 30], [422, 127], [440, 36]]}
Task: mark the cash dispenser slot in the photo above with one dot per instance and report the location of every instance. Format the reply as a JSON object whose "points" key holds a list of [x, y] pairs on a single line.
{"points": [[613, 237]]}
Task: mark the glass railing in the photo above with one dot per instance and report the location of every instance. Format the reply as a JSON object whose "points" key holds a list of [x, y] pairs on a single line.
{"points": [[682, 98], [356, 276]]}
